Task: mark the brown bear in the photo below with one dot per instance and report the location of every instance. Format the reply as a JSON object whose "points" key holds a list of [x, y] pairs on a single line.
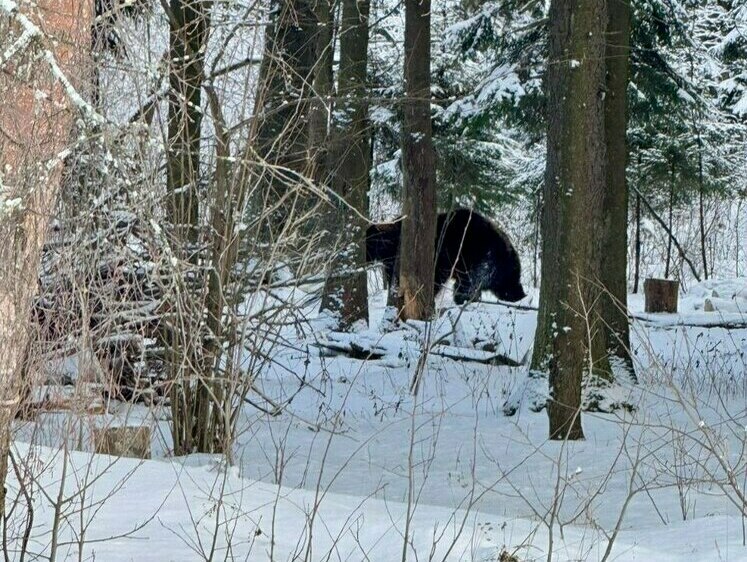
{"points": [[469, 249]]}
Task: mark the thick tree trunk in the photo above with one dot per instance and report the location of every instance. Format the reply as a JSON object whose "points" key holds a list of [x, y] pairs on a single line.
{"points": [[572, 215], [282, 114], [418, 163], [36, 128], [346, 292], [615, 255], [320, 105]]}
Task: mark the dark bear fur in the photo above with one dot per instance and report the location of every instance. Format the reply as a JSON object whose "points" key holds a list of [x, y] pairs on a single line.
{"points": [[469, 249]]}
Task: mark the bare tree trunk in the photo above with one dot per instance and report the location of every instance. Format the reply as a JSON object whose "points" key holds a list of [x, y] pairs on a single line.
{"points": [[737, 237], [283, 109], [346, 292], [701, 207], [418, 163], [615, 256], [321, 104], [575, 183], [537, 220], [637, 242], [191, 403], [36, 129], [669, 222], [189, 24], [701, 183]]}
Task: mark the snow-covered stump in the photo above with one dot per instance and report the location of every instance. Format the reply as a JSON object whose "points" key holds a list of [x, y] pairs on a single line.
{"points": [[661, 295], [126, 441]]}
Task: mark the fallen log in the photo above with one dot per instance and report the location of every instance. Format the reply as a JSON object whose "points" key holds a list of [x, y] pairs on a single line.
{"points": [[367, 351], [665, 321], [473, 355], [351, 349]]}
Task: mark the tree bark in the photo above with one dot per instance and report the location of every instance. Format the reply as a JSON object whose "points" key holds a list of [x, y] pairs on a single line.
{"points": [[346, 291], [36, 129], [320, 105], [572, 216], [189, 24], [670, 216], [615, 255], [418, 163], [637, 274], [282, 113]]}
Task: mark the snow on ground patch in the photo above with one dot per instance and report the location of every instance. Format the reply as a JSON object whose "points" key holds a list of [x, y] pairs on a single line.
{"points": [[174, 510], [354, 448]]}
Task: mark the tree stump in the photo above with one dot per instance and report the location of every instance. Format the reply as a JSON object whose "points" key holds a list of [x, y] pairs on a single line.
{"points": [[661, 295], [127, 441]]}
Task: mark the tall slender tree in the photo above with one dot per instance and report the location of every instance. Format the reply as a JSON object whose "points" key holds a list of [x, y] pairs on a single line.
{"points": [[572, 216], [416, 265], [323, 85], [615, 257], [189, 23], [346, 290]]}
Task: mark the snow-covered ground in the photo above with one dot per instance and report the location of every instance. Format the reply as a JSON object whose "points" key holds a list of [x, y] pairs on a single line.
{"points": [[355, 464]]}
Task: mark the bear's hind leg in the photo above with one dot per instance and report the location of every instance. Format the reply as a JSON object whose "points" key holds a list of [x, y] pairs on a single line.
{"points": [[465, 290]]}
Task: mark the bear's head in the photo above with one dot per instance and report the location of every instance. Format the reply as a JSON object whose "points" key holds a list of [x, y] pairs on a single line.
{"points": [[511, 292], [509, 286]]}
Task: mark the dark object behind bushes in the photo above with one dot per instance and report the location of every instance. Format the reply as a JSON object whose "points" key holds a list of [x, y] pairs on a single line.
{"points": [[469, 249]]}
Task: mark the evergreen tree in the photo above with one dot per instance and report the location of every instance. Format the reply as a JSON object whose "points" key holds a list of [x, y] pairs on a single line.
{"points": [[568, 331], [687, 81], [477, 164]]}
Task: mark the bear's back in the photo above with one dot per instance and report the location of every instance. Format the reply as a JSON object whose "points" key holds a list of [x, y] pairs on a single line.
{"points": [[467, 229]]}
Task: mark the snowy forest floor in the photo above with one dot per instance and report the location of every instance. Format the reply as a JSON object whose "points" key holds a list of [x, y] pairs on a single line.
{"points": [[354, 464]]}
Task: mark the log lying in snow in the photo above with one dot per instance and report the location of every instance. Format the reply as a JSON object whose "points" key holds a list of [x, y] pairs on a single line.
{"points": [[361, 349], [354, 350], [473, 355], [669, 321], [704, 320]]}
